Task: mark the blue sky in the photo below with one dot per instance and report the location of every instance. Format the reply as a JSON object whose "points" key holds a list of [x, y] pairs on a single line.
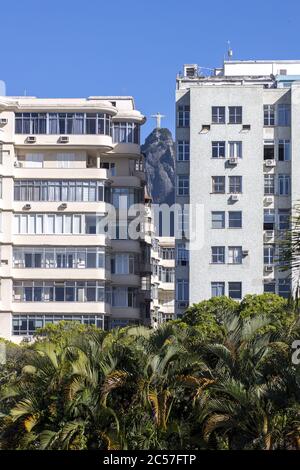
{"points": [[66, 48]]}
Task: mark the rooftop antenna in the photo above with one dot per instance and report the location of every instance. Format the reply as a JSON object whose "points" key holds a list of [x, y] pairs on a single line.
{"points": [[158, 118], [229, 51]]}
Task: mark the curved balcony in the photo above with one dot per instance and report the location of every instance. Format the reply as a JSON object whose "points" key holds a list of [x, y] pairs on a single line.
{"points": [[103, 142], [60, 274]]}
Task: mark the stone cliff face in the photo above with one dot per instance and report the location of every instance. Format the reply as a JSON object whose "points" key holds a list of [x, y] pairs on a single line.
{"points": [[159, 150]]}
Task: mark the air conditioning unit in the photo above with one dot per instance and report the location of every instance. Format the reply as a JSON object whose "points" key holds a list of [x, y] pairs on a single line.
{"points": [[3, 121], [64, 139], [269, 235], [246, 127], [4, 261], [270, 162], [31, 139], [245, 252], [182, 262], [268, 200], [27, 207], [268, 268], [234, 197], [27, 339], [205, 128], [232, 161], [17, 164], [64, 205]]}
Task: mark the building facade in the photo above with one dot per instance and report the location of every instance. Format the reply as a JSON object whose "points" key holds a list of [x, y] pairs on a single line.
{"points": [[163, 280], [238, 161], [69, 169]]}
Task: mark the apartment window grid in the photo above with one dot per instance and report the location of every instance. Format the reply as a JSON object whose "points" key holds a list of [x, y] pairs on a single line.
{"points": [[166, 274], [124, 263], [269, 219], [284, 288], [183, 222], [61, 190], [270, 287], [235, 290], [235, 219], [51, 224], [183, 116], [218, 184], [235, 255], [217, 289], [283, 219], [183, 185], [218, 219], [218, 149], [126, 132], [124, 297], [24, 325], [182, 254], [284, 153], [218, 254], [284, 115], [59, 257], [58, 291], [218, 114], [269, 115], [269, 184], [167, 253], [269, 149], [182, 290], [235, 149], [235, 114], [269, 254], [183, 150], [235, 184], [284, 185], [63, 123]]}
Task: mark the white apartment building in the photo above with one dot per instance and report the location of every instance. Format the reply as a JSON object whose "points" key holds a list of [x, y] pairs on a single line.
{"points": [[238, 157], [63, 164], [163, 280]]}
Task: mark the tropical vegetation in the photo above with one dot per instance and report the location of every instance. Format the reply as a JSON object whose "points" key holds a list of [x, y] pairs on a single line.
{"points": [[222, 377]]}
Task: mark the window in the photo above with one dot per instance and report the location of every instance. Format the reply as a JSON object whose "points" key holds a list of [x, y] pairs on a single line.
{"points": [[284, 288], [234, 219], [124, 297], [183, 150], [235, 114], [218, 149], [284, 115], [167, 253], [64, 160], [166, 274], [269, 115], [284, 185], [284, 150], [182, 290], [218, 219], [217, 289], [59, 257], [283, 219], [34, 160], [28, 324], [218, 114], [63, 123], [58, 291], [57, 224], [183, 116], [126, 132], [268, 254], [269, 184], [218, 184], [235, 290], [269, 150], [269, 219], [218, 254], [123, 263], [234, 254], [235, 149], [182, 185], [123, 198], [60, 190], [269, 287], [182, 254], [235, 184]]}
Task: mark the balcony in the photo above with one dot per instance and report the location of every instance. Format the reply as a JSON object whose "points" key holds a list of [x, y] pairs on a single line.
{"points": [[104, 142]]}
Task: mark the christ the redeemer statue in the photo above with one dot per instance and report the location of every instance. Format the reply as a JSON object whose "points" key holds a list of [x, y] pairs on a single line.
{"points": [[158, 118]]}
